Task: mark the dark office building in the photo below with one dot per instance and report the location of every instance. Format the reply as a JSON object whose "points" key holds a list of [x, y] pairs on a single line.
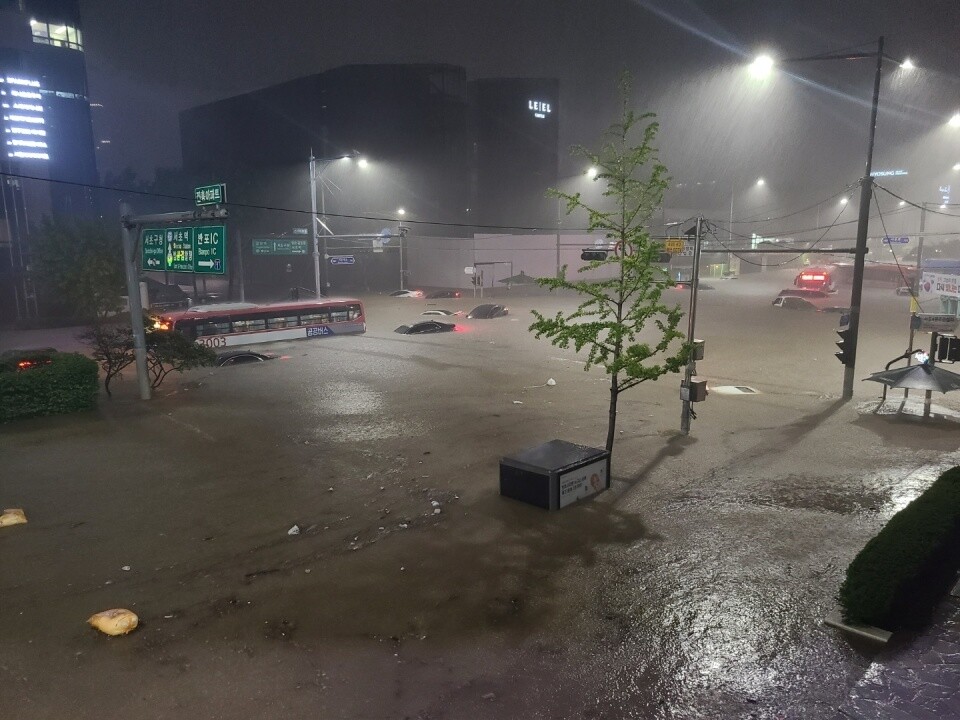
{"points": [[430, 148], [514, 124], [46, 131]]}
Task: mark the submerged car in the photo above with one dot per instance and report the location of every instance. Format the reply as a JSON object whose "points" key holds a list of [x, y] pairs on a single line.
{"points": [[443, 313], [240, 357], [426, 327], [807, 293], [407, 294], [905, 290], [437, 294], [486, 312], [687, 284], [791, 302]]}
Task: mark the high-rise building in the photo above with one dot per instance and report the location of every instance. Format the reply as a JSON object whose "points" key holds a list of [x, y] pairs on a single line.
{"points": [[451, 154], [515, 133], [46, 133]]}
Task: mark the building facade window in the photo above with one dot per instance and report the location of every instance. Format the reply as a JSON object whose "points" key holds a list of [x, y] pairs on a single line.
{"points": [[56, 35]]}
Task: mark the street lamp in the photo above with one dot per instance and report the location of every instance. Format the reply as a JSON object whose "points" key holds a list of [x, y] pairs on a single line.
{"points": [[591, 174], [955, 120], [866, 193], [762, 66], [320, 286]]}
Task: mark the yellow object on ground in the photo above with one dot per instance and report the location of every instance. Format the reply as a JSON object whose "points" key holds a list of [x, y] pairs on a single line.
{"points": [[114, 622], [12, 516]]}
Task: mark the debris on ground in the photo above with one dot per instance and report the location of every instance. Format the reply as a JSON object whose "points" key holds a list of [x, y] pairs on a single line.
{"points": [[117, 621], [549, 383], [12, 516], [518, 402], [295, 530]]}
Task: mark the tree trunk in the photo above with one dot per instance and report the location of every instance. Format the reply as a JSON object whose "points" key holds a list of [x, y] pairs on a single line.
{"points": [[612, 420]]}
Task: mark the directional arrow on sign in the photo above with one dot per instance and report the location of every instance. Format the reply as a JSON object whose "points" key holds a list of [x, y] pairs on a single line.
{"points": [[205, 263]]}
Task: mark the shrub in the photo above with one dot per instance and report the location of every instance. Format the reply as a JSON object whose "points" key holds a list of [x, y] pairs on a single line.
{"points": [[51, 384], [905, 569]]}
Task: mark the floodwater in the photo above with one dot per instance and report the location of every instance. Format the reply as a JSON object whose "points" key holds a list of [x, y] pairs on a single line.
{"points": [[695, 588]]}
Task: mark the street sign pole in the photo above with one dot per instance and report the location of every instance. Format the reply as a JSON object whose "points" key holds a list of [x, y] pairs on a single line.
{"points": [[130, 226], [133, 296], [243, 296], [686, 410]]}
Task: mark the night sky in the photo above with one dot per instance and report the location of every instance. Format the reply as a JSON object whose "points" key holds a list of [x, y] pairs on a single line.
{"points": [[154, 58]]}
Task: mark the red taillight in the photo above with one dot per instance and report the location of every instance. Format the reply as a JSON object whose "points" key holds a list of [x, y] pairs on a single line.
{"points": [[24, 364]]}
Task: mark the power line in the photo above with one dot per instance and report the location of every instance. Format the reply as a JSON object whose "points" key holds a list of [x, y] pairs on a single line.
{"points": [[920, 206], [272, 208], [785, 262], [846, 189], [903, 277]]}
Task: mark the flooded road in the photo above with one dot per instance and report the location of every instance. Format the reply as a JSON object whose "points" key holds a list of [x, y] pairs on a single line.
{"points": [[695, 588]]}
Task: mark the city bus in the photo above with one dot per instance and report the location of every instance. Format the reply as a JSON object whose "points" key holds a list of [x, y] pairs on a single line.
{"points": [[229, 324], [816, 278]]}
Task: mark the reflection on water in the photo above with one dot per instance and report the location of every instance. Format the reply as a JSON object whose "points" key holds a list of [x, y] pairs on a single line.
{"points": [[344, 431], [348, 398]]}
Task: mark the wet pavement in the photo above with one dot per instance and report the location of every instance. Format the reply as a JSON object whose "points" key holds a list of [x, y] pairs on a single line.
{"points": [[695, 588]]}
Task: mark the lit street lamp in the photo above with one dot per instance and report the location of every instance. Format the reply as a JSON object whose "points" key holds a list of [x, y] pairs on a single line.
{"points": [[321, 285], [591, 174]]}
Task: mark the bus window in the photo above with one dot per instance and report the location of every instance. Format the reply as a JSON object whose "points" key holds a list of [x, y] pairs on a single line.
{"points": [[354, 312], [187, 328], [339, 313], [285, 321], [214, 326], [249, 324], [316, 318]]}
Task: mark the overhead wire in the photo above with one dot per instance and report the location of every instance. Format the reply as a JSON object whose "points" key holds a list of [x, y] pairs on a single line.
{"points": [[906, 283], [845, 189], [919, 206], [800, 252]]}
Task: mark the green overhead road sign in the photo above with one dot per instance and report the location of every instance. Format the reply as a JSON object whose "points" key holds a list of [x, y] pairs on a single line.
{"points": [[210, 195], [154, 249], [210, 249], [185, 249], [280, 246]]}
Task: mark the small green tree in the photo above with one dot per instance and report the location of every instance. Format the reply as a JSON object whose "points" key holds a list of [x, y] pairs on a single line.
{"points": [[617, 309], [170, 351], [167, 351], [112, 347], [80, 264]]}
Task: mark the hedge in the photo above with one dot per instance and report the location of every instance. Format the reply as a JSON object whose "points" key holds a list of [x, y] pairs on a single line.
{"points": [[904, 571], [57, 383]]}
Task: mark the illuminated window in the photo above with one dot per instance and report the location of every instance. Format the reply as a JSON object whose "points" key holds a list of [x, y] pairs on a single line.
{"points": [[56, 35]]}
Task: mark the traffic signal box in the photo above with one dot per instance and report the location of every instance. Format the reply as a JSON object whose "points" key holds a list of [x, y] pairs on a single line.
{"points": [[948, 348], [845, 356]]}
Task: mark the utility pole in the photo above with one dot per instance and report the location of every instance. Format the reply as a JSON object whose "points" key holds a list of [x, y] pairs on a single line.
{"points": [[313, 224], [866, 194], [687, 410], [243, 291]]}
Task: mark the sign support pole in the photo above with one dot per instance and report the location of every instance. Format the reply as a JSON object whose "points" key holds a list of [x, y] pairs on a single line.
{"points": [[687, 410], [133, 295], [243, 296]]}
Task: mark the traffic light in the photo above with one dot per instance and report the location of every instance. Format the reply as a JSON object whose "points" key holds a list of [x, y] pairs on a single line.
{"points": [[948, 348], [592, 255], [846, 345]]}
